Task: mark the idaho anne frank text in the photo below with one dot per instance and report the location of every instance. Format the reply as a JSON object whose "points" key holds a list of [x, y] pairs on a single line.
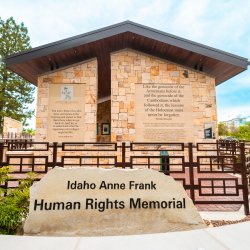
{"points": [[131, 185]]}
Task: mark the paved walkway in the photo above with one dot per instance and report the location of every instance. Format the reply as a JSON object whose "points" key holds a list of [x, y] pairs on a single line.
{"points": [[234, 237]]}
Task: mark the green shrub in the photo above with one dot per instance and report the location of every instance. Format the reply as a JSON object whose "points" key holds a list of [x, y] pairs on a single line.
{"points": [[14, 203]]}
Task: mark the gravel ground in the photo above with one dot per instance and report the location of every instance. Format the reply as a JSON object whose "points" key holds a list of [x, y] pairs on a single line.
{"points": [[219, 223]]}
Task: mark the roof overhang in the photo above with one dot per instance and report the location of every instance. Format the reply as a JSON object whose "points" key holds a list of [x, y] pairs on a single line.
{"points": [[216, 63]]}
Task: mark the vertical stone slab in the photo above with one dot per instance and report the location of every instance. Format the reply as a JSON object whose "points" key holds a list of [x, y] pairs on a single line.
{"points": [[82, 80], [130, 68], [163, 112], [66, 112]]}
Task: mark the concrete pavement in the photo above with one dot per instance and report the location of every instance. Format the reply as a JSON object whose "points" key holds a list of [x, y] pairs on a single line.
{"points": [[227, 237]]}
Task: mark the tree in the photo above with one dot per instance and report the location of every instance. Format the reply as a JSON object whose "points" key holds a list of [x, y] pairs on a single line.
{"points": [[15, 93], [243, 133], [223, 129]]}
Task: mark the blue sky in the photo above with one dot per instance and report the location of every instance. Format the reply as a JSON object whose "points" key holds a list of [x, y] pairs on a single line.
{"points": [[223, 24]]}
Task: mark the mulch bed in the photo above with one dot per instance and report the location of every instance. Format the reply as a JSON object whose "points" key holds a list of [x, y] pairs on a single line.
{"points": [[219, 223]]}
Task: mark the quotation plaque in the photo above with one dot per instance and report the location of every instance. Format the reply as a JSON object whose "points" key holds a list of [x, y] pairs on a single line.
{"points": [[163, 112], [66, 112]]}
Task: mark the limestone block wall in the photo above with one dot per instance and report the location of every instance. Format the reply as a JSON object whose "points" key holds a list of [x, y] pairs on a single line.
{"points": [[86, 73], [12, 126], [103, 116], [129, 67]]}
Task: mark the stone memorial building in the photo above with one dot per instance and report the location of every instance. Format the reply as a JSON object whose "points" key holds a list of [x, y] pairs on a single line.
{"points": [[126, 82]]}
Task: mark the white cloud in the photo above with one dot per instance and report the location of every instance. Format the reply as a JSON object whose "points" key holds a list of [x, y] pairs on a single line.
{"points": [[217, 23], [227, 113]]}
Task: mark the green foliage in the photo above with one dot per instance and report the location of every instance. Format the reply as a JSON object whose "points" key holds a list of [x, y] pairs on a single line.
{"points": [[241, 132], [4, 174], [15, 93], [30, 131], [14, 205], [223, 129]]}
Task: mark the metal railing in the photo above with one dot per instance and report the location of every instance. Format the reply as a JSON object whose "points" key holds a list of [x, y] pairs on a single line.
{"points": [[13, 135], [211, 173]]}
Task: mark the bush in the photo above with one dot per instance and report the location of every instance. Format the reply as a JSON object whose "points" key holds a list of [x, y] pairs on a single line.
{"points": [[14, 203]]}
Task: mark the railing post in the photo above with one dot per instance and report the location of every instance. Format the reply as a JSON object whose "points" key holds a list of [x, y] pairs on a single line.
{"points": [[218, 152], [191, 170], [1, 153], [234, 153], [244, 178], [123, 154], [217, 147], [54, 153]]}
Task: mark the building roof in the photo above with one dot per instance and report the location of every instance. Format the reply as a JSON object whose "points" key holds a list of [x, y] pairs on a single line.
{"points": [[100, 43]]}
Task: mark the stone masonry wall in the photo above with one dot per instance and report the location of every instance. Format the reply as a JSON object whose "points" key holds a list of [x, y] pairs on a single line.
{"points": [[85, 72], [103, 116], [12, 125], [129, 67]]}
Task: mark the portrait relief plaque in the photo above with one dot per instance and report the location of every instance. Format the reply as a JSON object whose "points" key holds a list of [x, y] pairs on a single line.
{"points": [[163, 112], [66, 112], [67, 93]]}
